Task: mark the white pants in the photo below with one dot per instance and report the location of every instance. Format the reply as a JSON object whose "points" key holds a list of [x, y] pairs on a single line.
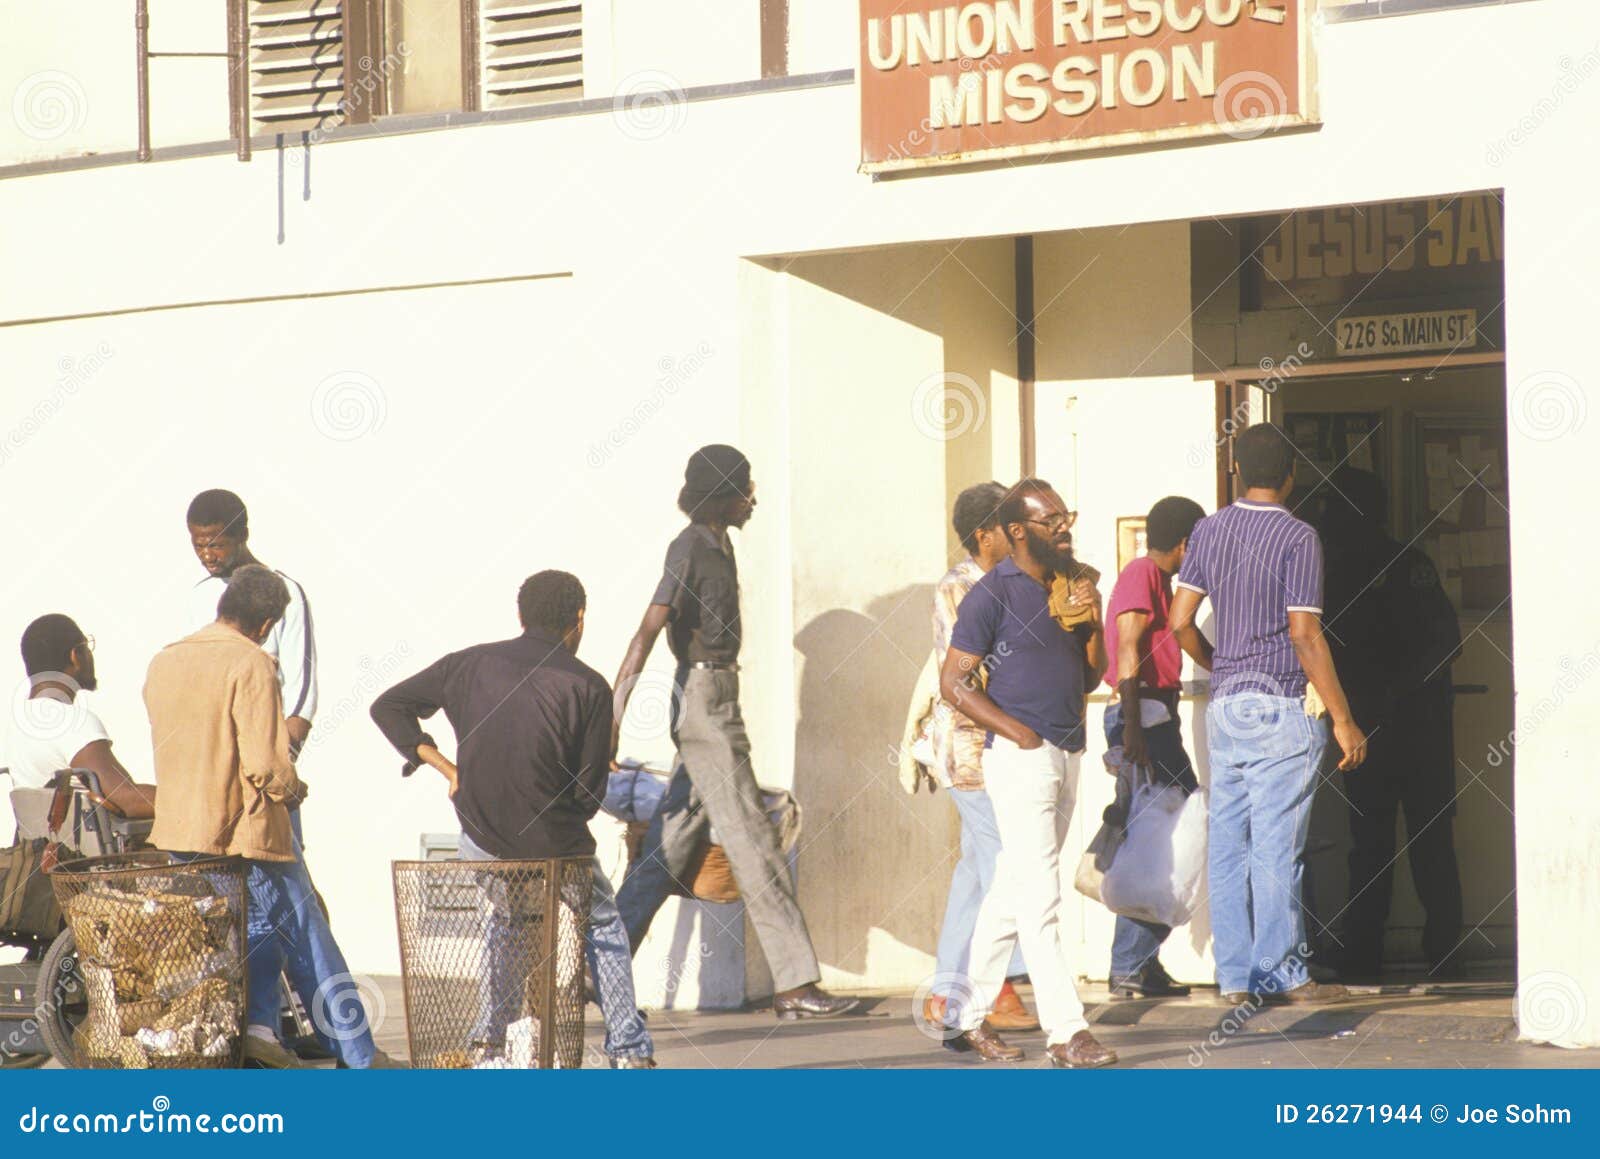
{"points": [[1033, 792]]}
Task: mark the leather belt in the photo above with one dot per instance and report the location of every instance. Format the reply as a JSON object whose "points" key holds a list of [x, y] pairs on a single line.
{"points": [[714, 666]]}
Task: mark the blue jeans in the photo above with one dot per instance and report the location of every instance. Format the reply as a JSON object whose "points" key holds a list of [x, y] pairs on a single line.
{"points": [[610, 964], [974, 873], [289, 934], [1265, 755], [1136, 943], [299, 832]]}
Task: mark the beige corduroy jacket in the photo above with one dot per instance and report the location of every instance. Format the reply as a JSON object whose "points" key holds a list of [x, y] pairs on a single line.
{"points": [[224, 779]]}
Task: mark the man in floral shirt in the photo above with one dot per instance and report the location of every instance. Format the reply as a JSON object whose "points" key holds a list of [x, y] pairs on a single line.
{"points": [[958, 763]]}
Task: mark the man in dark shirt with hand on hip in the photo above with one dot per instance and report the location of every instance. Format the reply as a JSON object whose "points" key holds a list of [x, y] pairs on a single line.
{"points": [[698, 596], [533, 726]]}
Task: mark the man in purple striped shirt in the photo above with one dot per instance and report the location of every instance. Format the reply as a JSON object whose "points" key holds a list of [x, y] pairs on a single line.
{"points": [[1261, 568]]}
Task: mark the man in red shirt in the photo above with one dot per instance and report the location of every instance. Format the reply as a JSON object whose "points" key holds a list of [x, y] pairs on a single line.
{"points": [[1145, 671]]}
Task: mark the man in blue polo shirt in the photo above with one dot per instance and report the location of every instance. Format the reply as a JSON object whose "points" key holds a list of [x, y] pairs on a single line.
{"points": [[1035, 673], [1261, 568]]}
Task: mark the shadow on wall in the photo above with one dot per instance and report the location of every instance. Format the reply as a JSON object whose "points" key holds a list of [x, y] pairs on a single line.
{"points": [[873, 856]]}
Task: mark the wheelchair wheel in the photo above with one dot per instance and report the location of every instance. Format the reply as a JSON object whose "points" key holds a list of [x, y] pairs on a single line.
{"points": [[59, 1000]]}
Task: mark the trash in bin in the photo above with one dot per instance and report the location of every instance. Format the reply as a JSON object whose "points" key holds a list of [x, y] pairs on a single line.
{"points": [[492, 960], [160, 950]]}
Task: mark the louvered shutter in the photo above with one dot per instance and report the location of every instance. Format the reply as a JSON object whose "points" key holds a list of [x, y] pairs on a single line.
{"points": [[530, 52], [297, 64]]}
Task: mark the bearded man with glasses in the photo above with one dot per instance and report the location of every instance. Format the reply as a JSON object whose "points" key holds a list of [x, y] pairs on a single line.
{"points": [[1032, 706]]}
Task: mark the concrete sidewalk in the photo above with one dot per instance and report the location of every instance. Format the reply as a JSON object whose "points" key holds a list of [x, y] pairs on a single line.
{"points": [[1446, 1011], [1438, 1026]]}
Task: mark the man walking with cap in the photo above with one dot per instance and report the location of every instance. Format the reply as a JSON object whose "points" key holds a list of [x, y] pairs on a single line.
{"points": [[697, 600]]}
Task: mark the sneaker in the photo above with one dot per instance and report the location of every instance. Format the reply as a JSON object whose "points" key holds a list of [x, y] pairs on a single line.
{"points": [[269, 1054], [309, 1047]]}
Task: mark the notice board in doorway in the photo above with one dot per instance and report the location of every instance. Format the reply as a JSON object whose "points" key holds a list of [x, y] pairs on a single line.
{"points": [[1459, 508], [1324, 441]]}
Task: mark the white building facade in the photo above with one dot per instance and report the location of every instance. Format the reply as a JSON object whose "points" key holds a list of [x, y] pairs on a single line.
{"points": [[473, 327]]}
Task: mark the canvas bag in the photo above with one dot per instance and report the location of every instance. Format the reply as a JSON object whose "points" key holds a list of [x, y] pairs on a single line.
{"points": [[27, 900]]}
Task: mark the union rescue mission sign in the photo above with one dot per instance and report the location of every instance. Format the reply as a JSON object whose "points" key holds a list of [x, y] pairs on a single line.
{"points": [[985, 81]]}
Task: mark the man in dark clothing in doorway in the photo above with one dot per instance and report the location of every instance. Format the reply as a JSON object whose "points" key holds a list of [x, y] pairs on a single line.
{"points": [[697, 603], [1393, 635]]}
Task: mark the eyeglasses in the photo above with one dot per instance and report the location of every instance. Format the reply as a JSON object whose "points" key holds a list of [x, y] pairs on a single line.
{"points": [[1059, 523], [88, 642]]}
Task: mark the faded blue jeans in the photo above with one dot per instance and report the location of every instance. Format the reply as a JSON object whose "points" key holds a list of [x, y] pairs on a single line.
{"points": [[1265, 754], [610, 965], [289, 934]]}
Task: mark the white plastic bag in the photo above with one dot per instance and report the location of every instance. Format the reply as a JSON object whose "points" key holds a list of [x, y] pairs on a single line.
{"points": [[1096, 859], [1159, 872]]}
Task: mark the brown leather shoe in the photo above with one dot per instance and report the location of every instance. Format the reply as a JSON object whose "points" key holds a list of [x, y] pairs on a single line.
{"points": [[811, 1001], [1308, 994], [986, 1044], [1009, 1013], [1081, 1052], [1235, 998]]}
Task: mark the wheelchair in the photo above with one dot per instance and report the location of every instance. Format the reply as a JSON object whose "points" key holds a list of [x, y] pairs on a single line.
{"points": [[42, 997]]}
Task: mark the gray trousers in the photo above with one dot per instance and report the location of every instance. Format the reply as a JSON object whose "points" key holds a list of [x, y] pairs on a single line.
{"points": [[713, 785]]}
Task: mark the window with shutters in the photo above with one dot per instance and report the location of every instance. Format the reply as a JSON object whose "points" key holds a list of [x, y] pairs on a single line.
{"points": [[297, 64], [526, 52], [315, 64]]}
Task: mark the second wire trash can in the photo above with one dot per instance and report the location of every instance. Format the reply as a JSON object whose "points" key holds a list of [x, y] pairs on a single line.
{"points": [[160, 946], [492, 956]]}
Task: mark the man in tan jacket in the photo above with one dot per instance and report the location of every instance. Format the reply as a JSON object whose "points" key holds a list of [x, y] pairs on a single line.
{"points": [[224, 785]]}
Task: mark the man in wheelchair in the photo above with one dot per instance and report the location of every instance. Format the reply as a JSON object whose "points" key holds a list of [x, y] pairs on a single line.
{"points": [[53, 730], [71, 797]]}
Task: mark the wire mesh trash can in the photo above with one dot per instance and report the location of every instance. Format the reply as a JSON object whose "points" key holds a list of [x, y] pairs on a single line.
{"points": [[161, 946], [492, 959]]}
